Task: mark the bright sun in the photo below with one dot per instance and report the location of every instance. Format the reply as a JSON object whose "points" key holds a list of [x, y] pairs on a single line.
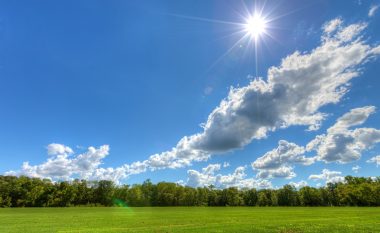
{"points": [[255, 26]]}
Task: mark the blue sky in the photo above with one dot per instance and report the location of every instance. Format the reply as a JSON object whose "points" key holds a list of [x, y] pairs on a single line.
{"points": [[136, 77]]}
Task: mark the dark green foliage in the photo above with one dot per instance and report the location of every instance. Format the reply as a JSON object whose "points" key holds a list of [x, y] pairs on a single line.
{"points": [[287, 196], [310, 196], [250, 197], [33, 192]]}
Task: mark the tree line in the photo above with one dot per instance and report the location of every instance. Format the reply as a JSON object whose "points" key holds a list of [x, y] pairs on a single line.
{"points": [[34, 192]]}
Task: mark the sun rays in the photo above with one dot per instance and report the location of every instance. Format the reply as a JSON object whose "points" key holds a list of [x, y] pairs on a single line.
{"points": [[252, 29]]}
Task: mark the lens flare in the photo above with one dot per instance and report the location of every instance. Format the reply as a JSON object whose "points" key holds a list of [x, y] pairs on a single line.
{"points": [[255, 26], [250, 32], [121, 203]]}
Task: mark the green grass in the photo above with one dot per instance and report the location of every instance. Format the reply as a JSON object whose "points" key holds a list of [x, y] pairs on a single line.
{"points": [[191, 219]]}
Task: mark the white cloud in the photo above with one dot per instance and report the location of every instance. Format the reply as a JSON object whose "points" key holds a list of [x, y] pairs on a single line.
{"points": [[285, 153], [211, 169], [286, 172], [342, 144], [375, 159], [356, 168], [62, 167], [332, 26], [114, 174], [277, 162], [372, 10], [237, 179], [292, 95], [85, 164], [181, 182], [299, 184], [328, 176], [58, 149]]}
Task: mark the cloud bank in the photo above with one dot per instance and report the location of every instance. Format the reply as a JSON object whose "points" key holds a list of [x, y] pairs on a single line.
{"points": [[340, 144], [238, 179], [292, 94], [60, 166]]}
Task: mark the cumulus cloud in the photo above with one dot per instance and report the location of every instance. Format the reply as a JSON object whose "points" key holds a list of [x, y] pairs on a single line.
{"points": [[328, 176], [58, 149], [238, 179], [372, 10], [278, 162], [292, 94], [299, 184], [342, 144], [211, 169], [375, 159], [286, 172], [85, 164], [332, 25], [62, 167]]}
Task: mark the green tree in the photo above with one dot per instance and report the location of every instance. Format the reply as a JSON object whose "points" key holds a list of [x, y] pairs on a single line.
{"points": [[310, 196], [264, 198], [250, 197], [287, 196], [104, 192]]}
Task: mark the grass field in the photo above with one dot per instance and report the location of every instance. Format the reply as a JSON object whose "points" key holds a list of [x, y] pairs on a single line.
{"points": [[190, 219]]}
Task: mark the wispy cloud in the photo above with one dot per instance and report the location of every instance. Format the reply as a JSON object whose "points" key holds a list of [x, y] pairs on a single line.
{"points": [[375, 159], [372, 10], [356, 168]]}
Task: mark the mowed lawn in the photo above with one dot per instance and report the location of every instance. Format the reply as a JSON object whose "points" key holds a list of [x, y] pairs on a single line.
{"points": [[191, 219]]}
